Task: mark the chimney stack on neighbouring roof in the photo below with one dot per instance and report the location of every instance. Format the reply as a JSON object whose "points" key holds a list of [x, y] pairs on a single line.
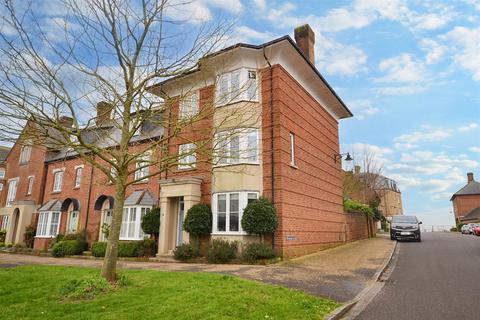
{"points": [[305, 39], [470, 177], [65, 121], [104, 112]]}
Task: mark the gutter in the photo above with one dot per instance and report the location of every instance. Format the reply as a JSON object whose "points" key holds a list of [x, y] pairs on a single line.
{"points": [[89, 197]]}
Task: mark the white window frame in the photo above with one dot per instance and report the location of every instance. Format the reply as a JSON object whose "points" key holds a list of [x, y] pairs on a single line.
{"points": [[189, 105], [292, 150], [78, 177], [30, 180], [25, 152], [141, 173], [45, 224], [225, 155], [2, 173], [189, 161], [5, 222], [243, 201], [246, 78], [1, 186], [12, 192], [131, 229], [57, 185]]}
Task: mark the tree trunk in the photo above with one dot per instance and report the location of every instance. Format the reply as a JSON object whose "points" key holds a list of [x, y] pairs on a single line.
{"points": [[109, 268]]}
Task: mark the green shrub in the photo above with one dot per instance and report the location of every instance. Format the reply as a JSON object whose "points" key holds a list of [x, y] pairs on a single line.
{"points": [[85, 288], [198, 221], [29, 236], [3, 234], [2, 244], [260, 217], [185, 252], [354, 206], [55, 240], [80, 237], [141, 248], [221, 251], [67, 248], [99, 249], [151, 222], [253, 252]]}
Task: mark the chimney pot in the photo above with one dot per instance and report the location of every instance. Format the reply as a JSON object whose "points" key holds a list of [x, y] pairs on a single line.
{"points": [[305, 39], [470, 177], [104, 112]]}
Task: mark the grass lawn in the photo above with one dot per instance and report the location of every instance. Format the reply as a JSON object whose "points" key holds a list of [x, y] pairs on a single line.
{"points": [[29, 292]]}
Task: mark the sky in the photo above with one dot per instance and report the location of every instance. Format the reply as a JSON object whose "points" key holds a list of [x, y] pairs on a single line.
{"points": [[408, 70]]}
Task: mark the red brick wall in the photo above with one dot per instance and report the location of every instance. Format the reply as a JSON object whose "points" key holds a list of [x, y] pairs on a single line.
{"points": [[464, 204], [308, 198]]}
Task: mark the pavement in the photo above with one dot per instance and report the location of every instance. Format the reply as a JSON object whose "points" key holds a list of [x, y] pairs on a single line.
{"points": [[339, 273], [435, 279]]}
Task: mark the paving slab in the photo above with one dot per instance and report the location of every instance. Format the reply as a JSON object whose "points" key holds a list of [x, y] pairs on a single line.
{"points": [[339, 273]]}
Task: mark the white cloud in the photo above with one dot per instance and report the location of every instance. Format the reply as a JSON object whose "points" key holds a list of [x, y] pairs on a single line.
{"points": [[194, 11], [465, 44], [232, 6], [474, 149], [247, 34], [343, 18], [260, 4], [469, 127], [402, 68], [435, 51], [424, 136], [362, 109], [405, 146], [400, 90]]}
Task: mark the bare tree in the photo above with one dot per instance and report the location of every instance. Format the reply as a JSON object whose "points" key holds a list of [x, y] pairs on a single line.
{"points": [[113, 53]]}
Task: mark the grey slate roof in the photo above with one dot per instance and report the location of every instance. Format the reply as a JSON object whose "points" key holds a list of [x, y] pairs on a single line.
{"points": [[4, 153], [141, 198], [52, 205], [474, 214], [473, 187]]}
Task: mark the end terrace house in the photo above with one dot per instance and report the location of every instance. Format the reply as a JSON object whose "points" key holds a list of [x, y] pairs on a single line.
{"points": [[276, 122]]}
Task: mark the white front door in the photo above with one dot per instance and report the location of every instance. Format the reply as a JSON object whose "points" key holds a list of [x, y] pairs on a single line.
{"points": [[181, 213]]}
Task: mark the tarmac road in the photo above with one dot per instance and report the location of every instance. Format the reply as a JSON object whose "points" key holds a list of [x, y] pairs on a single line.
{"points": [[438, 278]]}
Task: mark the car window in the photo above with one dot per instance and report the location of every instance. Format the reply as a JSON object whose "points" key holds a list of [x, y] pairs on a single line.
{"points": [[404, 219]]}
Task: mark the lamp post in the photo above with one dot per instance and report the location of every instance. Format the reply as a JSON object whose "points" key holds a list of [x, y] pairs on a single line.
{"points": [[339, 156]]}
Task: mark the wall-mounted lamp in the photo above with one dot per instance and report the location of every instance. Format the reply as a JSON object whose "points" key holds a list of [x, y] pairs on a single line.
{"points": [[339, 156]]}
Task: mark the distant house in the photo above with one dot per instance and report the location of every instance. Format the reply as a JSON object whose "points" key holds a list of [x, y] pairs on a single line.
{"points": [[466, 201], [390, 197]]}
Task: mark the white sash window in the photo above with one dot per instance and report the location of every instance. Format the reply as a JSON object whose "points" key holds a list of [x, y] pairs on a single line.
{"points": [[228, 209]]}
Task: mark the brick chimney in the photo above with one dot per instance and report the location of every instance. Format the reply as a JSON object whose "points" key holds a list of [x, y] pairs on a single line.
{"points": [[305, 39], [470, 177], [65, 121], [104, 112]]}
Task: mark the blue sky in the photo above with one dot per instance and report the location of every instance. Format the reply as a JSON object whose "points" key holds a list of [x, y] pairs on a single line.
{"points": [[410, 72]]}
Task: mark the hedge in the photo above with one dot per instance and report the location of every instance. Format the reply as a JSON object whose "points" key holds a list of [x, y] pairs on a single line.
{"points": [[68, 248], [354, 206], [141, 248]]}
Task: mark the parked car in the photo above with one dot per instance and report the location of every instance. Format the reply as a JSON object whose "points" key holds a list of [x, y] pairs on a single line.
{"points": [[476, 230], [464, 229], [469, 228], [405, 227]]}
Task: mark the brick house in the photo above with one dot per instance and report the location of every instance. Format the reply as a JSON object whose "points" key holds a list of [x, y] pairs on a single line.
{"points": [[280, 141], [466, 201], [3, 167]]}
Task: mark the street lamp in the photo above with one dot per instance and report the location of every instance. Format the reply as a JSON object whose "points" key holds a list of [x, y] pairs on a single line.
{"points": [[339, 156]]}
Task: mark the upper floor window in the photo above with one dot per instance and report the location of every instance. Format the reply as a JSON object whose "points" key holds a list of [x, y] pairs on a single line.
{"points": [[25, 152], [30, 185], [238, 146], [187, 157], [57, 180], [142, 167], [78, 176], [228, 210], [238, 85], [2, 173], [12, 191], [189, 106], [292, 149]]}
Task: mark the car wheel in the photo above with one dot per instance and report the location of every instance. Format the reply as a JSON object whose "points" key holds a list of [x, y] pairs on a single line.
{"points": [[392, 237], [419, 239]]}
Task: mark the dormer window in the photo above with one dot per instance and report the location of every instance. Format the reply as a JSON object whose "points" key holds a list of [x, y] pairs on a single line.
{"points": [[235, 86]]}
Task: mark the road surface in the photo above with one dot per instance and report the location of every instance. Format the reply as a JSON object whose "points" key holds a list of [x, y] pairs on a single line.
{"points": [[438, 278]]}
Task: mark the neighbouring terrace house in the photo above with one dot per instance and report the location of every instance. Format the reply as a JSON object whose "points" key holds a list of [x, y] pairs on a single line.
{"points": [[466, 201], [272, 120], [3, 167]]}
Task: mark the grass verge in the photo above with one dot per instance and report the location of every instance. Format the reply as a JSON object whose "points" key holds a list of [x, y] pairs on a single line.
{"points": [[34, 292]]}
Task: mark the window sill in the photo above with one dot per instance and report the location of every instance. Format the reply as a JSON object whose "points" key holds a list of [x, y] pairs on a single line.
{"points": [[141, 182], [76, 188], [236, 164], [293, 165], [186, 169], [229, 233], [56, 192], [130, 239], [219, 105], [45, 237]]}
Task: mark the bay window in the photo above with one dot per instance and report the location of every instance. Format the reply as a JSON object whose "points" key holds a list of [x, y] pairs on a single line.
{"points": [[237, 85], [48, 224], [235, 147], [228, 209], [131, 223]]}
